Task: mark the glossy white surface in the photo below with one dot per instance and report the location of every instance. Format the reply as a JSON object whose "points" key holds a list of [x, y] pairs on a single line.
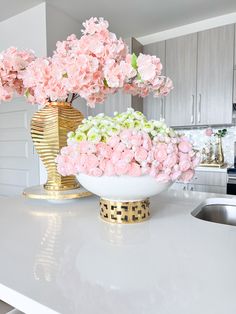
{"points": [[64, 259], [123, 188]]}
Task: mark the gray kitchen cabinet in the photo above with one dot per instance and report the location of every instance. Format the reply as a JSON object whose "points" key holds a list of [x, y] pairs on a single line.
{"points": [[234, 86], [215, 76], [154, 108], [204, 181], [181, 67]]}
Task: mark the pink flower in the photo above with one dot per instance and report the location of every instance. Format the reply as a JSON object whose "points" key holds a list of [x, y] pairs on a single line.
{"points": [[175, 175], [136, 140], [87, 147], [115, 156], [121, 167], [135, 170], [185, 147], [120, 147], [141, 154], [160, 155], [13, 63], [163, 177], [170, 161], [95, 172], [92, 161], [187, 176], [209, 132], [184, 165], [125, 134], [109, 169], [113, 141], [104, 150], [127, 155]]}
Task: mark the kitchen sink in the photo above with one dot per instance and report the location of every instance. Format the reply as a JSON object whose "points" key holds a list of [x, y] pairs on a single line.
{"points": [[218, 210]]}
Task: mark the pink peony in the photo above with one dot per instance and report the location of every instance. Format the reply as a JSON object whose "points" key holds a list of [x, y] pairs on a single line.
{"points": [[185, 147], [135, 170], [184, 165], [187, 176], [97, 172], [141, 154], [121, 167], [160, 155], [113, 141]]}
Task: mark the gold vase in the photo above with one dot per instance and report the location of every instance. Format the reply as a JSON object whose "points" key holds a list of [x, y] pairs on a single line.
{"points": [[219, 154], [49, 128]]}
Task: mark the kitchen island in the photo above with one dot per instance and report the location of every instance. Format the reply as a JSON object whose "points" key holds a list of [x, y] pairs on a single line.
{"points": [[61, 258]]}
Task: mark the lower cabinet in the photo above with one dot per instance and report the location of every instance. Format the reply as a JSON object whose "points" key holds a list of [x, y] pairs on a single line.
{"points": [[204, 181]]}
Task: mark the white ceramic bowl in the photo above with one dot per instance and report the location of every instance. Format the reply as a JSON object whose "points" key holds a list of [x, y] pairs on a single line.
{"points": [[122, 188]]}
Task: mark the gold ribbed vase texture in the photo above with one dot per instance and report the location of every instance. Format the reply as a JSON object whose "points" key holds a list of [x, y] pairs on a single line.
{"points": [[49, 128]]}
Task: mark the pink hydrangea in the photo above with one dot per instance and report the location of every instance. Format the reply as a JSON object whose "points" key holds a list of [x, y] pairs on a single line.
{"points": [[121, 155], [13, 63]]}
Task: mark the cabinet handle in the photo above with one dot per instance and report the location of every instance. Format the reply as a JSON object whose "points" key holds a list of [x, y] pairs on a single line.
{"points": [[199, 107], [192, 114]]}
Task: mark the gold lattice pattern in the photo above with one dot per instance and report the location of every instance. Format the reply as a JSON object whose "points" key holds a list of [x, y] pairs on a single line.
{"points": [[49, 128], [124, 212]]}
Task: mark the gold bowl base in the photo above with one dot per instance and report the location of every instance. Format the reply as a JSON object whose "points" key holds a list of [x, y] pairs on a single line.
{"points": [[124, 212], [39, 192]]}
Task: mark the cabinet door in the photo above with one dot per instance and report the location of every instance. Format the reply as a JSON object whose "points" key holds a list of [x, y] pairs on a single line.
{"points": [[181, 67], [215, 76], [154, 107]]}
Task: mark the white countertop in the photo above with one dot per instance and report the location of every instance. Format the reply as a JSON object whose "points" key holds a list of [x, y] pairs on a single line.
{"points": [[64, 259]]}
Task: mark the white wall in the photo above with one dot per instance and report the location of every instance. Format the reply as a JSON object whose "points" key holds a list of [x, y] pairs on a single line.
{"points": [[25, 30], [59, 26]]}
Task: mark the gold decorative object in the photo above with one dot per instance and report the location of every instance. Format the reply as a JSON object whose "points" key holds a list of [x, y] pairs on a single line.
{"points": [[49, 128], [213, 158], [219, 151], [124, 212], [38, 192]]}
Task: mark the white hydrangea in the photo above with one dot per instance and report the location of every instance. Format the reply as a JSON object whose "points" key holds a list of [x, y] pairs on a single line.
{"points": [[101, 127]]}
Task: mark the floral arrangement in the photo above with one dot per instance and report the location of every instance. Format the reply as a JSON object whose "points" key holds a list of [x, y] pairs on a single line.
{"points": [[128, 144], [13, 63], [91, 67]]}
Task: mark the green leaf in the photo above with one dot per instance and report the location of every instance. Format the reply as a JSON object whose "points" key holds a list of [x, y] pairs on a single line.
{"points": [[65, 75], [27, 93], [139, 77], [105, 82], [134, 61]]}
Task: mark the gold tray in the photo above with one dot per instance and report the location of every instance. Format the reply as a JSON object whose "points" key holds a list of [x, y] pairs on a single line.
{"points": [[38, 192], [222, 165]]}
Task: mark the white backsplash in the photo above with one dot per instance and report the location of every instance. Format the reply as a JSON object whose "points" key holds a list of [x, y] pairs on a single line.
{"points": [[200, 139]]}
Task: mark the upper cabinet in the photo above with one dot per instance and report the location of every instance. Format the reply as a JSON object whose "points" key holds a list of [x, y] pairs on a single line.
{"points": [[154, 108], [181, 67], [201, 67], [215, 76]]}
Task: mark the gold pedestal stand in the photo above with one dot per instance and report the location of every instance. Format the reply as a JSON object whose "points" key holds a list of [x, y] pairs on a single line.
{"points": [[39, 192], [124, 212]]}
